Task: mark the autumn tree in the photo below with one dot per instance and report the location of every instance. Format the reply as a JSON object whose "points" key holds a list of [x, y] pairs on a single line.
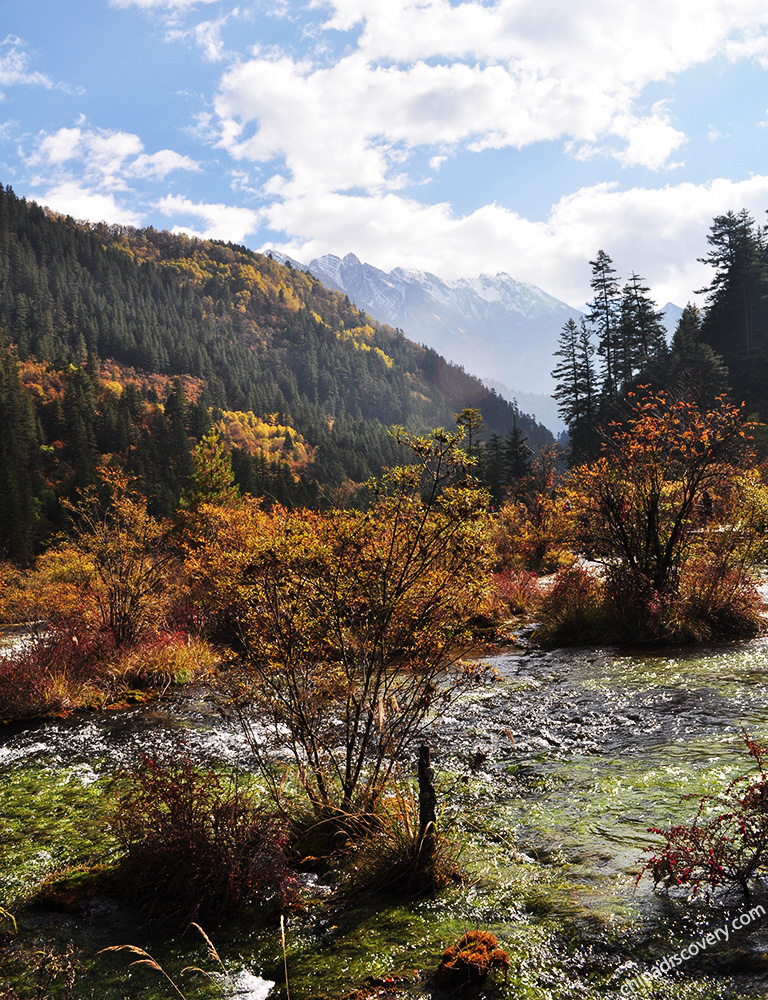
{"points": [[641, 501], [124, 547], [354, 622]]}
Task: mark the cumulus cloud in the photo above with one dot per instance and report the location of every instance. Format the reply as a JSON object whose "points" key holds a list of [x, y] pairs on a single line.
{"points": [[104, 157], [650, 140], [657, 233], [71, 198], [159, 165], [221, 222], [442, 76]]}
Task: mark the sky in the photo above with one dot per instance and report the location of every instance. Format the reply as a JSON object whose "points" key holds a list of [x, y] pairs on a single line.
{"points": [[455, 136]]}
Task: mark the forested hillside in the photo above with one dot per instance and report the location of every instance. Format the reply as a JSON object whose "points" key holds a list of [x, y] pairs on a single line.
{"points": [[134, 343]]}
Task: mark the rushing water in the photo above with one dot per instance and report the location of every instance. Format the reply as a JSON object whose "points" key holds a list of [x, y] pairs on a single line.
{"points": [[552, 775]]}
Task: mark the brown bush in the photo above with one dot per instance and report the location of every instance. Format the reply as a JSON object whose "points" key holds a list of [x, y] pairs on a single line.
{"points": [[195, 842], [572, 610]]}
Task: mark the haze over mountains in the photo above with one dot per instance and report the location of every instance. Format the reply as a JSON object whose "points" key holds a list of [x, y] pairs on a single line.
{"points": [[499, 328]]}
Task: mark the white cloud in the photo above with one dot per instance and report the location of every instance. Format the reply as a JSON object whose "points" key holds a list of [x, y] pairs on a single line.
{"points": [[160, 164], [650, 140], [657, 233], [431, 74], [754, 46], [207, 35], [104, 157], [14, 65], [71, 198], [222, 222]]}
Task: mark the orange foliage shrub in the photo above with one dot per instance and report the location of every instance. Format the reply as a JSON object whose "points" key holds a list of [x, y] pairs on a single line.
{"points": [[469, 962]]}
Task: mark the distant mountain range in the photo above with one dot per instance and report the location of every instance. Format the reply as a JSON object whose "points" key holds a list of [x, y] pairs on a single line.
{"points": [[503, 330], [493, 326]]}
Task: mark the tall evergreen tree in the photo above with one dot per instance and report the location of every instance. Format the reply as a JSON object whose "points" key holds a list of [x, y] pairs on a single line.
{"points": [[736, 309], [517, 456], [735, 323], [642, 336], [493, 467], [694, 368], [604, 316], [575, 378]]}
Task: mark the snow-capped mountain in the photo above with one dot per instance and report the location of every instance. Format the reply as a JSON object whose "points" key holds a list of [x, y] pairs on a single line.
{"points": [[672, 314], [494, 326]]}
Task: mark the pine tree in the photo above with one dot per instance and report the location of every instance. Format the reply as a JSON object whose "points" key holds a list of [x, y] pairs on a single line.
{"points": [[575, 378], [734, 322], [694, 368], [493, 470], [604, 316], [517, 456], [642, 336]]}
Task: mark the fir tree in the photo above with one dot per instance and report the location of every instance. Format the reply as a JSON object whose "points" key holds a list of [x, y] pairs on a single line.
{"points": [[604, 316]]}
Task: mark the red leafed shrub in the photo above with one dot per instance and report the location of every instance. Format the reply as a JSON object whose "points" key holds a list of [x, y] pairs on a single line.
{"points": [[572, 610], [196, 844], [53, 674], [727, 843], [518, 588]]}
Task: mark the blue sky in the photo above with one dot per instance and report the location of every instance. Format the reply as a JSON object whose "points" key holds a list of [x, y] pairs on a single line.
{"points": [[456, 137]]}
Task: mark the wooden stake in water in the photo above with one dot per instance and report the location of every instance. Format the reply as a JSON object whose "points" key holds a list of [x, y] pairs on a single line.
{"points": [[285, 957]]}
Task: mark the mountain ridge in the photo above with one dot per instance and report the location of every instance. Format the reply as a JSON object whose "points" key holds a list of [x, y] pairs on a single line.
{"points": [[454, 316]]}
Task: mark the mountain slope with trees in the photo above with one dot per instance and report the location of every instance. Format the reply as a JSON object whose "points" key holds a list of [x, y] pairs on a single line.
{"points": [[133, 343]]}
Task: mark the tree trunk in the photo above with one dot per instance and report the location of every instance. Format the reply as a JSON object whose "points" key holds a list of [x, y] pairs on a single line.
{"points": [[427, 805]]}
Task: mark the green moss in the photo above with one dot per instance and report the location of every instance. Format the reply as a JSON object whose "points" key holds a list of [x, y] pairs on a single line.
{"points": [[49, 820]]}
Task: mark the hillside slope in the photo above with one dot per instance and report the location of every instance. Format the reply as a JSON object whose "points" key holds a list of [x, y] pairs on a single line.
{"points": [[496, 326], [131, 342]]}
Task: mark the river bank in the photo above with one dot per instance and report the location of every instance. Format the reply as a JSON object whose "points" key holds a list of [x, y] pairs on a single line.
{"points": [[550, 778]]}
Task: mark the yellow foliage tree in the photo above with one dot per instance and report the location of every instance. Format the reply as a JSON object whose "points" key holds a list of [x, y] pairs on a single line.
{"points": [[352, 621]]}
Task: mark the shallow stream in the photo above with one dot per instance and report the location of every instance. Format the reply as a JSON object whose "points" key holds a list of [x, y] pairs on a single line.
{"points": [[550, 777]]}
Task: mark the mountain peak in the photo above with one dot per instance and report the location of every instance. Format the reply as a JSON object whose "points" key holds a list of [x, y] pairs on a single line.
{"points": [[492, 325]]}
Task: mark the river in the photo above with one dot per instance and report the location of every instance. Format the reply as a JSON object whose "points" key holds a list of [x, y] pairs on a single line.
{"points": [[550, 777]]}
